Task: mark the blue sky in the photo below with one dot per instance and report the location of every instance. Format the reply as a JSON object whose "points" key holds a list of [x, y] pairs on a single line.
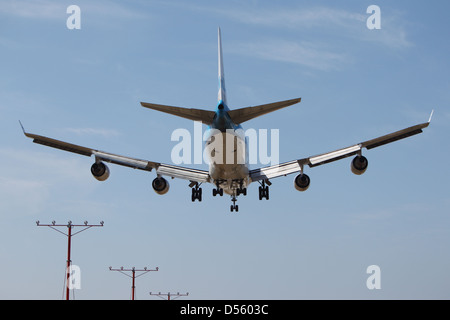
{"points": [[84, 86]]}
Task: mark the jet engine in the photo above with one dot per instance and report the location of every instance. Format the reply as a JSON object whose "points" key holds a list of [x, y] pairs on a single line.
{"points": [[359, 165], [301, 182], [160, 185], [100, 171]]}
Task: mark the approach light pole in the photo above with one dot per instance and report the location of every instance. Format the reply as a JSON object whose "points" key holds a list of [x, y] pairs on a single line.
{"points": [[69, 235], [168, 295], [133, 276]]}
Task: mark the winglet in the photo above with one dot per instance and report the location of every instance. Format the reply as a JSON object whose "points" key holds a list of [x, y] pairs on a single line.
{"points": [[22, 128], [431, 115]]}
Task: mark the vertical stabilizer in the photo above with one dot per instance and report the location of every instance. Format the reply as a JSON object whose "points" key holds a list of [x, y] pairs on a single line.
{"points": [[222, 92]]}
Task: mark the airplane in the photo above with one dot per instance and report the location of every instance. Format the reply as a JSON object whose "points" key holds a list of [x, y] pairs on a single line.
{"points": [[230, 177]]}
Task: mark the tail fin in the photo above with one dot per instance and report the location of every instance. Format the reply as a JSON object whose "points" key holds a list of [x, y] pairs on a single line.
{"points": [[222, 91]]}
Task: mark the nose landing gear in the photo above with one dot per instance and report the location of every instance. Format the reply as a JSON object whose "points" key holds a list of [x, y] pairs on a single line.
{"points": [[239, 189], [234, 206]]}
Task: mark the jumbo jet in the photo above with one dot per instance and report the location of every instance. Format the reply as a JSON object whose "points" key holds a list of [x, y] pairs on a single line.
{"points": [[230, 177]]}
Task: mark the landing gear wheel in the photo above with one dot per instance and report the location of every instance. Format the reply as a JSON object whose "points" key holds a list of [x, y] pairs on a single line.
{"points": [[263, 192], [234, 206], [241, 191], [196, 193], [218, 191]]}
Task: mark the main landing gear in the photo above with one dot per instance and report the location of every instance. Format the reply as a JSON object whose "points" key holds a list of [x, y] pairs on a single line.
{"points": [[196, 193], [264, 190], [218, 190], [238, 188], [241, 189]]}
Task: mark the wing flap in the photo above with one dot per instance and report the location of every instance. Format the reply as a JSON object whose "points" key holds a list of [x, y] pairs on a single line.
{"points": [[126, 161], [183, 173], [282, 169], [60, 144], [398, 135], [334, 155]]}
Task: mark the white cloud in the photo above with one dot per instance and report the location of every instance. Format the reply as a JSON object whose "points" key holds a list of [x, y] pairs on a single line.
{"points": [[107, 133], [47, 9], [26, 196], [332, 21], [307, 54], [31, 179], [298, 17], [34, 9]]}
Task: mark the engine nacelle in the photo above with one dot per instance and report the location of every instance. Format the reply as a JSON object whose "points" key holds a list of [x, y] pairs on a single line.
{"points": [[100, 171], [359, 165], [301, 182], [160, 185]]}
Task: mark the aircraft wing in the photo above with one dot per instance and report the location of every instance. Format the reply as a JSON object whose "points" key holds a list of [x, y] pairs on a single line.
{"points": [[286, 168], [160, 168]]}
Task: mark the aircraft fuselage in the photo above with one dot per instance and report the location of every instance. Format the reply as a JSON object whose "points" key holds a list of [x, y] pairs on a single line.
{"points": [[227, 152]]}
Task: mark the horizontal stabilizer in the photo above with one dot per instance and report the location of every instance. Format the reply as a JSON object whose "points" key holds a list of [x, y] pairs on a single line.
{"points": [[204, 116], [241, 115]]}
